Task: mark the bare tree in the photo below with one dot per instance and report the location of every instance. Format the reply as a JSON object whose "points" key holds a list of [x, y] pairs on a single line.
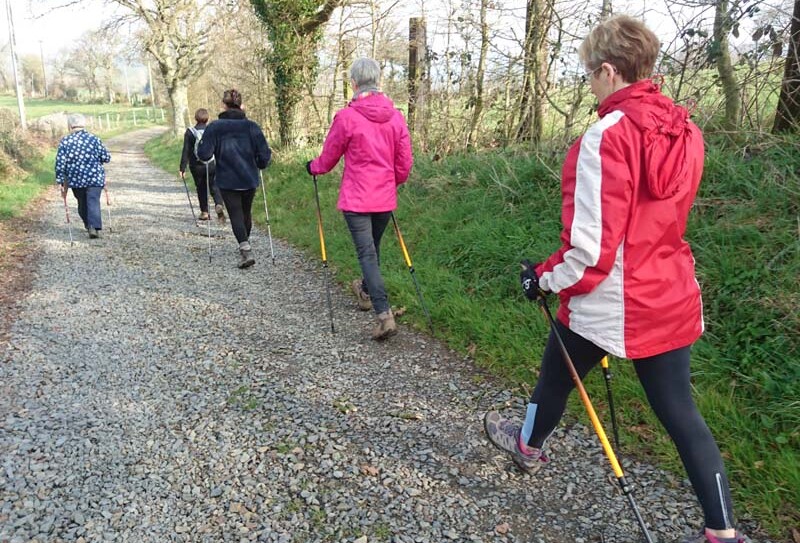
{"points": [[721, 55], [477, 101], [175, 35], [538, 18]]}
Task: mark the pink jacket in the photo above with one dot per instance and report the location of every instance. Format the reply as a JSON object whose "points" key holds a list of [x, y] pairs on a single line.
{"points": [[624, 273], [373, 137]]}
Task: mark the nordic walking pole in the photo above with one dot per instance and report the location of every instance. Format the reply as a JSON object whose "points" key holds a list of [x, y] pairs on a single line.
{"points": [[66, 210], [411, 270], [208, 222], [266, 212], [183, 177], [607, 376], [324, 254], [108, 206], [598, 427]]}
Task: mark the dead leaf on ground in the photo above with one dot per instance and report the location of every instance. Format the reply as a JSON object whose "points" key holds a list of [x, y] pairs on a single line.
{"points": [[372, 471]]}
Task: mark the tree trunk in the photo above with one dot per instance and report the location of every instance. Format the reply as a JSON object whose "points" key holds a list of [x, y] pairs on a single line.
{"points": [[787, 117], [287, 96], [537, 24], [721, 55], [179, 100], [478, 105], [606, 10], [417, 79]]}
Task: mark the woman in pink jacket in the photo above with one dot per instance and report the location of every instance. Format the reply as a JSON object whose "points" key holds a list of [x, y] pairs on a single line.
{"points": [[624, 273], [373, 138]]}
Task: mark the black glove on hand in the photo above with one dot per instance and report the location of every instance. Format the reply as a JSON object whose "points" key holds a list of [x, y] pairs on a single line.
{"points": [[530, 281], [308, 167]]}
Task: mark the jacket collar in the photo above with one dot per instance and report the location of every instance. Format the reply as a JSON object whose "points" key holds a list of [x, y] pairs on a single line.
{"points": [[232, 114]]}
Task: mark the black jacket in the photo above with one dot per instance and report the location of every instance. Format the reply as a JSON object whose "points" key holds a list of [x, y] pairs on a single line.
{"points": [[239, 147], [187, 155]]}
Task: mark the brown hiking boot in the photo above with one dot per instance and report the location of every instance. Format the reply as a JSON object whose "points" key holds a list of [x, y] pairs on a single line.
{"points": [[246, 253], [220, 212], [364, 302], [386, 326]]}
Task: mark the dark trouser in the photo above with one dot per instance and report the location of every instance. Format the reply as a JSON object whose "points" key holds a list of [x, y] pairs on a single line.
{"points": [[666, 382], [199, 176], [367, 230], [239, 204], [89, 206]]}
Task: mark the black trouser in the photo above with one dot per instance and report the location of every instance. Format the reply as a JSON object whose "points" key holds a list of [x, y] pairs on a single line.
{"points": [[199, 176], [666, 382], [239, 204]]}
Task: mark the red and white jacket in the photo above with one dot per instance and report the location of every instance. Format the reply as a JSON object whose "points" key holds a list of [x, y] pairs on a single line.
{"points": [[624, 274]]}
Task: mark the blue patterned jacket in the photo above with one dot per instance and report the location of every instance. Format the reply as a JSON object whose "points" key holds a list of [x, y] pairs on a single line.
{"points": [[80, 159]]}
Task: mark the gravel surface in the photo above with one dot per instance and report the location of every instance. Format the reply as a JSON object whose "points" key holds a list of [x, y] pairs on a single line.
{"points": [[149, 396]]}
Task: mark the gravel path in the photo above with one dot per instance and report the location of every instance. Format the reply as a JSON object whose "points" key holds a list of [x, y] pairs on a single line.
{"points": [[149, 396]]}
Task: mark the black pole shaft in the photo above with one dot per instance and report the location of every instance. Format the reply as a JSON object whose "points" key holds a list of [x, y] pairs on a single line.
{"points": [[614, 427], [188, 197]]}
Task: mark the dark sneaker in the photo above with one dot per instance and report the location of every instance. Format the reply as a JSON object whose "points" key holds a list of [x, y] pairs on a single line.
{"points": [[364, 301], [220, 212], [93, 233], [706, 537], [386, 326], [247, 259], [504, 434]]}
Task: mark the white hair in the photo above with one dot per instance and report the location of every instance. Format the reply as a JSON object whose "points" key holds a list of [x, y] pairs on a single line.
{"points": [[366, 73], [76, 120]]}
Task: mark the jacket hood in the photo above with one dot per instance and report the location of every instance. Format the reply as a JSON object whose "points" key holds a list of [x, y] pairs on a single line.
{"points": [[375, 107], [665, 129]]}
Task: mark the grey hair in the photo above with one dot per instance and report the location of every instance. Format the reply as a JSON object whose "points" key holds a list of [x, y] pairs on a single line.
{"points": [[366, 73], [76, 120]]}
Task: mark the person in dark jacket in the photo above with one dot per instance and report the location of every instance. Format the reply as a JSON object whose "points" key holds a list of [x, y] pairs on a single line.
{"points": [[624, 274], [240, 150], [200, 169], [79, 166]]}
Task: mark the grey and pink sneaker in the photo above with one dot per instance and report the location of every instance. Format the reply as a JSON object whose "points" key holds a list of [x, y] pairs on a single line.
{"points": [[706, 537], [504, 434]]}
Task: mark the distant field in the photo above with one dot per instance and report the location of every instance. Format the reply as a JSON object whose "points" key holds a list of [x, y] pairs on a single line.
{"points": [[35, 108]]}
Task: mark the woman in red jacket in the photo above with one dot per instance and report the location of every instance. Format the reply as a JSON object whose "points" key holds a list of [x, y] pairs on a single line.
{"points": [[624, 273], [373, 138]]}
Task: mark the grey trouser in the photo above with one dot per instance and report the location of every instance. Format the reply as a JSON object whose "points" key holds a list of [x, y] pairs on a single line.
{"points": [[367, 230]]}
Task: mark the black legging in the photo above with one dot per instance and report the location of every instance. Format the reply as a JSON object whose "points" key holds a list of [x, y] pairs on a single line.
{"points": [[199, 176], [239, 204], [666, 382]]}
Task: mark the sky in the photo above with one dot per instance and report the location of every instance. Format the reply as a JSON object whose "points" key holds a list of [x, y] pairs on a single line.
{"points": [[56, 29]]}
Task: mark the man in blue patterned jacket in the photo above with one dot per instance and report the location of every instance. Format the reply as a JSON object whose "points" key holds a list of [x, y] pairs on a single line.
{"points": [[79, 166]]}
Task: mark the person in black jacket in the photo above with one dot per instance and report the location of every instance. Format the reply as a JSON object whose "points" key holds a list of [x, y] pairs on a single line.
{"points": [[240, 150], [198, 168]]}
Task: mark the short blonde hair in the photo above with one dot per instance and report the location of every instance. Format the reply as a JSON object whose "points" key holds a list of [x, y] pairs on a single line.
{"points": [[624, 42]]}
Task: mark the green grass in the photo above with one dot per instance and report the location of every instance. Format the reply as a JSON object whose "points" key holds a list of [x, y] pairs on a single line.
{"points": [[36, 107], [468, 219], [15, 194]]}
